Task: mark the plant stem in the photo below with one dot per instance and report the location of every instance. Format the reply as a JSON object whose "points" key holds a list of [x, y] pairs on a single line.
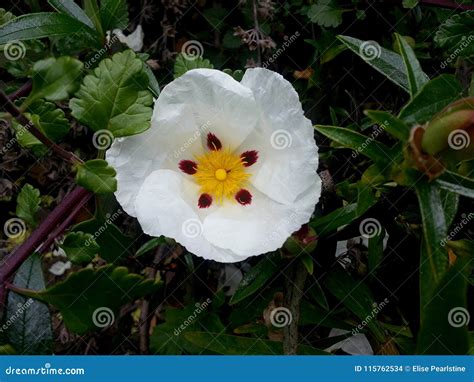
{"points": [[294, 285], [23, 91], [10, 107], [448, 4]]}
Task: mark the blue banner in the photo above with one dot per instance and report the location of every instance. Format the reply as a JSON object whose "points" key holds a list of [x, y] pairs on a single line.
{"points": [[237, 368]]}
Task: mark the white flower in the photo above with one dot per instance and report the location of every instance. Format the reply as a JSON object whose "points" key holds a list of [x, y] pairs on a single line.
{"points": [[134, 40], [227, 169], [59, 267]]}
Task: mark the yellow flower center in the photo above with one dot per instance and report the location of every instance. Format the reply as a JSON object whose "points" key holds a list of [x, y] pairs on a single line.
{"points": [[221, 174]]}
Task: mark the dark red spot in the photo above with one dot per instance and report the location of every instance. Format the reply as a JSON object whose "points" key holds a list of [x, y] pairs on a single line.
{"points": [[213, 143], [188, 166], [205, 200], [244, 197], [249, 157]]}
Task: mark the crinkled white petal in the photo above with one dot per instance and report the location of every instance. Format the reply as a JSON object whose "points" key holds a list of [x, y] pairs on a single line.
{"points": [[167, 205], [284, 137]]}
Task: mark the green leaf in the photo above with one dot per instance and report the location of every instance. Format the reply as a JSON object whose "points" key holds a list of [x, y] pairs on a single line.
{"points": [[150, 245], [416, 77], [434, 228], [115, 96], [432, 98], [97, 176], [44, 24], [455, 34], [185, 62], [113, 14], [445, 316], [70, 8], [55, 78], [312, 315], [257, 277], [356, 296], [235, 345], [410, 4], [153, 84], [27, 206], [364, 145], [459, 184], [30, 321], [375, 251], [90, 299], [51, 120], [450, 201], [390, 123], [389, 63], [307, 261], [80, 247], [326, 13]]}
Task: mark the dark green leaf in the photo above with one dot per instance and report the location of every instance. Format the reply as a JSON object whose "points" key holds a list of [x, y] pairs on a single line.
{"points": [[313, 315], [185, 62], [27, 206], [90, 299], [80, 247], [70, 8], [114, 14], [326, 13], [432, 98], [450, 202], [150, 245], [97, 176], [455, 34], [30, 321], [375, 250], [52, 120], [257, 277], [457, 183], [390, 123], [115, 96]]}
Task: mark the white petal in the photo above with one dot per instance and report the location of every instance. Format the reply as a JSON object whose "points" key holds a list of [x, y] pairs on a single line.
{"points": [[59, 267], [284, 137], [355, 345], [167, 205], [261, 227], [134, 40]]}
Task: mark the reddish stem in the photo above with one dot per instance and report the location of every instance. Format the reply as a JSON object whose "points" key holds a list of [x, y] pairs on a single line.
{"points": [[23, 91]]}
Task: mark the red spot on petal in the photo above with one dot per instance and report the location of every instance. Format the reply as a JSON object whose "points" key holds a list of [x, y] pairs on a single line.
{"points": [[244, 197], [249, 157], [205, 201], [213, 143], [188, 166]]}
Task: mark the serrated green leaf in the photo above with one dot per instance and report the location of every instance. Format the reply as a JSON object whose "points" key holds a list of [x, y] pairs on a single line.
{"points": [[113, 14], [115, 96], [364, 145], [54, 79], [44, 24], [416, 77], [30, 321], [27, 206], [389, 63], [432, 98], [90, 299], [390, 123], [326, 13], [455, 34], [97, 176], [257, 277], [70, 8], [80, 247], [184, 63], [52, 120]]}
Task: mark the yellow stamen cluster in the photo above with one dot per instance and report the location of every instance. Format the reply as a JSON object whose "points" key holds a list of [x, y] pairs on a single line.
{"points": [[221, 174]]}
